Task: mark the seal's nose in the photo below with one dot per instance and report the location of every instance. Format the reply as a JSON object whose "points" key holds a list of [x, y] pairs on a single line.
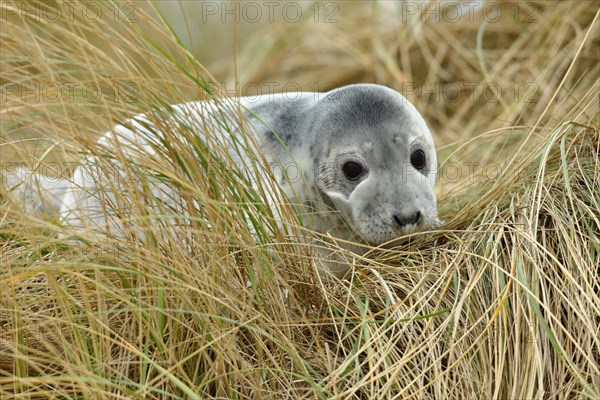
{"points": [[402, 220]]}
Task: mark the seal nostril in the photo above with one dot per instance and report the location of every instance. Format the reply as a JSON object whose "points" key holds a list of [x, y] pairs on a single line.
{"points": [[399, 221], [418, 217]]}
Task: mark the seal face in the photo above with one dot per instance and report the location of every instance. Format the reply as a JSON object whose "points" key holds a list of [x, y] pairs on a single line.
{"points": [[376, 162]]}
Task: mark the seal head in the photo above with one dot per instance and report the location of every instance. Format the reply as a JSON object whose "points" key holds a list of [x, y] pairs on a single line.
{"points": [[375, 162]]}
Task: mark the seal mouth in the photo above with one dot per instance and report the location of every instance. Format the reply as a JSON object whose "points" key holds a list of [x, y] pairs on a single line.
{"points": [[396, 241], [402, 234]]}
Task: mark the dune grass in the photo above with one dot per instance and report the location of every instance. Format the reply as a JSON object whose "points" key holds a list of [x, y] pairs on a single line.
{"points": [[501, 302]]}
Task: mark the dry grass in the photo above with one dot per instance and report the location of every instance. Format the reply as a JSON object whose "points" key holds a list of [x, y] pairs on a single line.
{"points": [[502, 302]]}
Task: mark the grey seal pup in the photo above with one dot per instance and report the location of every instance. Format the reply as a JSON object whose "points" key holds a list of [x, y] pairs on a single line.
{"points": [[364, 157]]}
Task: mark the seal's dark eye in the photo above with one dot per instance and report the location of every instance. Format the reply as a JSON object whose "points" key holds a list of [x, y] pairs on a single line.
{"points": [[352, 170], [417, 159]]}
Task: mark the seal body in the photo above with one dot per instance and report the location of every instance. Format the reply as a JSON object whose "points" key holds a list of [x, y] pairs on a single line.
{"points": [[363, 158]]}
